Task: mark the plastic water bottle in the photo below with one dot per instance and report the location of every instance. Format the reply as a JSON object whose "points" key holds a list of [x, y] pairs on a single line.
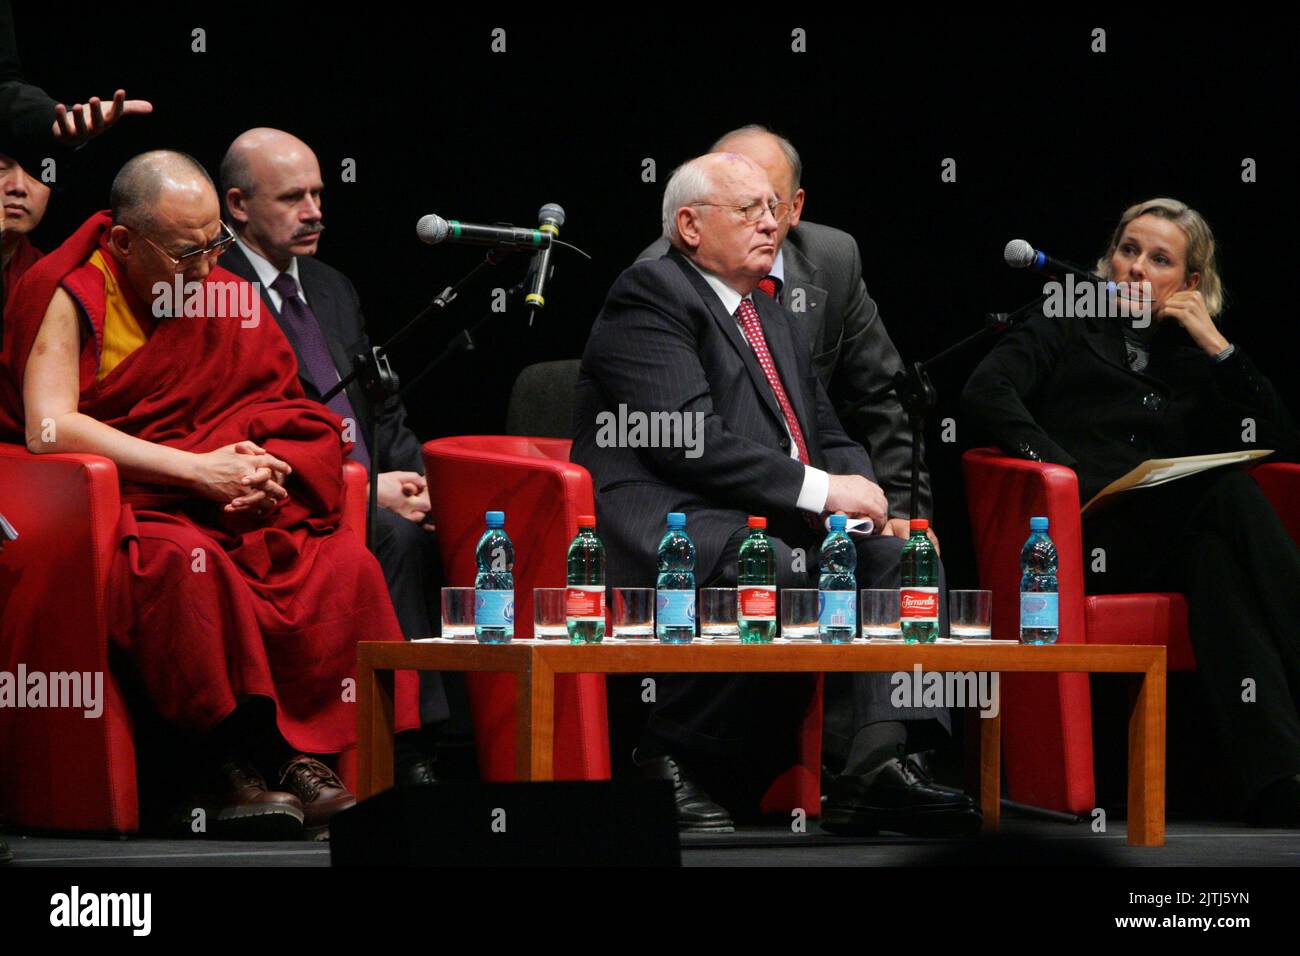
{"points": [[585, 603], [675, 594], [756, 586], [918, 596], [837, 599], [1038, 595], [494, 585]]}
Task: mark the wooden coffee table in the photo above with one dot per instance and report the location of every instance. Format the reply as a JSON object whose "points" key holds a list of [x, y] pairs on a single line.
{"points": [[535, 664]]}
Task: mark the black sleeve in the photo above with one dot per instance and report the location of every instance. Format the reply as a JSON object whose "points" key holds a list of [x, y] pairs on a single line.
{"points": [[997, 396], [400, 446], [26, 111], [1245, 393]]}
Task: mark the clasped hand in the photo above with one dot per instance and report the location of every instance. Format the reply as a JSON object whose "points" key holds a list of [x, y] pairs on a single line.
{"points": [[244, 476]]}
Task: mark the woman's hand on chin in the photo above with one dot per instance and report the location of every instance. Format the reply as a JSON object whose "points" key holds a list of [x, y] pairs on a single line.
{"points": [[1188, 309]]}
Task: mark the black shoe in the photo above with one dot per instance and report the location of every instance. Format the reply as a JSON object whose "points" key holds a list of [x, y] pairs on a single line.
{"points": [[696, 811], [1277, 805], [417, 773], [898, 796]]}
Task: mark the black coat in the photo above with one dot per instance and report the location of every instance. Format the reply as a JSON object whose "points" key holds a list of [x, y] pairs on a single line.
{"points": [[664, 343], [337, 307], [1060, 390]]}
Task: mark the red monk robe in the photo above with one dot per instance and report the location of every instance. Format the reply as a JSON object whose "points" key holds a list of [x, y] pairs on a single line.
{"points": [[23, 257], [284, 598]]}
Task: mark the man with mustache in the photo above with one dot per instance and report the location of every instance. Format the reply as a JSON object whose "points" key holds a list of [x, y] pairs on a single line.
{"points": [[272, 186], [24, 198]]}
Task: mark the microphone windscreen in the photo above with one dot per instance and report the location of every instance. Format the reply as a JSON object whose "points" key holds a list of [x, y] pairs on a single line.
{"points": [[551, 212], [1018, 254], [432, 229]]}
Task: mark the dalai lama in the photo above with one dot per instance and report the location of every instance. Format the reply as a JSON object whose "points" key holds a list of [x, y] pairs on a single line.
{"points": [[238, 600]]}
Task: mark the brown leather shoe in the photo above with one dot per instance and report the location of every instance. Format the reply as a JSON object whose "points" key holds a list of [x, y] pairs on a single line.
{"points": [[244, 809], [318, 787]]}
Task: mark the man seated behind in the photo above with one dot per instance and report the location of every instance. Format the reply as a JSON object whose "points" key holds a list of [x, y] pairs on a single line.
{"points": [[233, 584]]}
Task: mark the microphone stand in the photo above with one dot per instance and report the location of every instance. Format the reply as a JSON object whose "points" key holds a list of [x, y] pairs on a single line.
{"points": [[379, 382], [917, 394]]}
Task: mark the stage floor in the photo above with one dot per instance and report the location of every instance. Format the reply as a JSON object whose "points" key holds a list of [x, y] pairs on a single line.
{"points": [[1021, 842]]}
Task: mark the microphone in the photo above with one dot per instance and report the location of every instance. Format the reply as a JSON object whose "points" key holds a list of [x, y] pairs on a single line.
{"points": [[551, 218], [433, 229], [1021, 255]]}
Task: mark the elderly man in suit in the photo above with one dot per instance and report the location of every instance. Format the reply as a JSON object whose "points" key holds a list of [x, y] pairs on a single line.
{"points": [[272, 186], [817, 275], [686, 335]]}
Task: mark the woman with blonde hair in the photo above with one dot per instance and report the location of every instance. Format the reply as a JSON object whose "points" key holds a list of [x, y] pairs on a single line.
{"points": [[1103, 392]]}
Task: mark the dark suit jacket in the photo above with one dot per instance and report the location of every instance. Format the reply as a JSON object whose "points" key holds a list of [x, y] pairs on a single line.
{"points": [[664, 343], [1060, 390], [852, 352], [335, 302]]}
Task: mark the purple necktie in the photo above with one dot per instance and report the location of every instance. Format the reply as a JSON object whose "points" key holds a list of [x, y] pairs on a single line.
{"points": [[305, 332]]}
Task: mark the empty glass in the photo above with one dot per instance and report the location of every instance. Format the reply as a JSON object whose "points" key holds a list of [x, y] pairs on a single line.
{"points": [[458, 613], [550, 616], [718, 614], [634, 614], [799, 613], [970, 615], [880, 620]]}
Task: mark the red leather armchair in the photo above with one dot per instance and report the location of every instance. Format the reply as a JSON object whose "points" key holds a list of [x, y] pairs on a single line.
{"points": [[1047, 718], [542, 493], [53, 599]]}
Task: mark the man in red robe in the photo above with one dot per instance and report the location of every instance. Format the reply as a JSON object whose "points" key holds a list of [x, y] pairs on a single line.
{"points": [[234, 585], [24, 198]]}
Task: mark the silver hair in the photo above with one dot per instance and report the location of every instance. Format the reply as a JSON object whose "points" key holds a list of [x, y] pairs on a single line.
{"points": [[690, 182], [787, 148]]}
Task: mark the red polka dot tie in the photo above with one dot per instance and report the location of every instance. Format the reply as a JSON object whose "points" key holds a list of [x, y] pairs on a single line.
{"points": [[753, 331]]}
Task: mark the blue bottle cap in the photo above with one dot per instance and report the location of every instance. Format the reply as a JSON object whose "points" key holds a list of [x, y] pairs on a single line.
{"points": [[837, 522], [1037, 524], [496, 519], [676, 520]]}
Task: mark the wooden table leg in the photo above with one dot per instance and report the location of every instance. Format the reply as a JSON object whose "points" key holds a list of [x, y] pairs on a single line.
{"points": [[1146, 760], [535, 721], [374, 730], [990, 794]]}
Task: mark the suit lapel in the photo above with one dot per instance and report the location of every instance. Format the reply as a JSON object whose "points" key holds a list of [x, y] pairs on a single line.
{"points": [[801, 274], [781, 343], [731, 330]]}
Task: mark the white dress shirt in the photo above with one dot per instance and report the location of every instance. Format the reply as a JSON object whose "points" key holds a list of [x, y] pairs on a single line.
{"points": [[267, 273]]}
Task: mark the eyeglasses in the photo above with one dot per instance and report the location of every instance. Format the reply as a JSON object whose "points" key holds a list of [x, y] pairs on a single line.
{"points": [[213, 249], [754, 211]]}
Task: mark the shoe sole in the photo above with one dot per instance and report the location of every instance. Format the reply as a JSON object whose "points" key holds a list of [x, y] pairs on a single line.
{"points": [[706, 828], [939, 822], [278, 823]]}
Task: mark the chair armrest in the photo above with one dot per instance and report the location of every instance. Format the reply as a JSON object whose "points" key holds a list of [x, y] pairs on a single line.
{"points": [[1280, 482], [1002, 494], [54, 578], [541, 493], [355, 497]]}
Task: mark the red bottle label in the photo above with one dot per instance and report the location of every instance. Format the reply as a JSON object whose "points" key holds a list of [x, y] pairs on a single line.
{"points": [[585, 602], [918, 604], [757, 602]]}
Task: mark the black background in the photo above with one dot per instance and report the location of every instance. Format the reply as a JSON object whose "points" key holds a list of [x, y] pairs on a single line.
{"points": [[1052, 142]]}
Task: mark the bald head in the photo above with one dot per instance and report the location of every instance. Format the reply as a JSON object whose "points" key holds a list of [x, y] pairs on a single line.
{"points": [[272, 186], [779, 159], [154, 180]]}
